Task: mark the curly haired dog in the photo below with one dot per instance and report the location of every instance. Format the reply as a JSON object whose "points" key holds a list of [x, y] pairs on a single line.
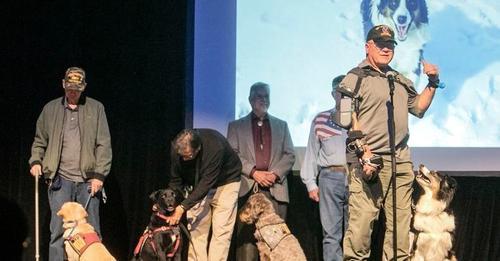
{"points": [[81, 242], [433, 226], [274, 240]]}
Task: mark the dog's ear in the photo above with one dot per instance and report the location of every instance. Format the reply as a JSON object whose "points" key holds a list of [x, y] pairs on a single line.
{"points": [[423, 13], [61, 212], [80, 212], [452, 183], [179, 195], [154, 196], [447, 189]]}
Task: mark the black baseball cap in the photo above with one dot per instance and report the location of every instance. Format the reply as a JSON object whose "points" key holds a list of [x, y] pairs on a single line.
{"points": [[381, 33]]}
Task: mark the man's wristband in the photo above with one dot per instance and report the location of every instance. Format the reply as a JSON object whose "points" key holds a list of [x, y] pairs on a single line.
{"points": [[435, 83]]}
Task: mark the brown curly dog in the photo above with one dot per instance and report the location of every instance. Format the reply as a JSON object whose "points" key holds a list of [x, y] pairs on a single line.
{"points": [[274, 240]]}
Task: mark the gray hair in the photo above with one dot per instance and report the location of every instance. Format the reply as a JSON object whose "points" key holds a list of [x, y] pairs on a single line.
{"points": [[187, 138], [256, 86]]}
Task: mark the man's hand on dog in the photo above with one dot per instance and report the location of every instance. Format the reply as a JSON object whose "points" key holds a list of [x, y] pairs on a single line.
{"points": [[95, 186], [176, 216], [36, 170]]}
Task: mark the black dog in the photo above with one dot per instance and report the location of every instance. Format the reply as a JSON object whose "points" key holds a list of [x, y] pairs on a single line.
{"points": [[160, 241]]}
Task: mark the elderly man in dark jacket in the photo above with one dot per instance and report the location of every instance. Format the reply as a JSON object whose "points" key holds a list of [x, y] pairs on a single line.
{"points": [[72, 150]]}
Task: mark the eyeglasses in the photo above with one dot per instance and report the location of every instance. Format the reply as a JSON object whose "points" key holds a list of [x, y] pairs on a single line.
{"points": [[260, 96], [189, 154]]}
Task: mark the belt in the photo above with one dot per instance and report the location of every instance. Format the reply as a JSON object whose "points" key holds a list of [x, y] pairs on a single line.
{"points": [[336, 168]]}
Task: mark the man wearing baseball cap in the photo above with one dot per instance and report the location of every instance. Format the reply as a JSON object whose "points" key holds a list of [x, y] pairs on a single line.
{"points": [[72, 150], [369, 153]]}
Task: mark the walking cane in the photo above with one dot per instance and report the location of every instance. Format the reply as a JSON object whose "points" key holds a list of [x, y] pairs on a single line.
{"points": [[37, 225]]}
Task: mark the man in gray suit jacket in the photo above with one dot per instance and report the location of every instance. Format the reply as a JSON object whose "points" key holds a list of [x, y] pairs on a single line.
{"points": [[265, 148]]}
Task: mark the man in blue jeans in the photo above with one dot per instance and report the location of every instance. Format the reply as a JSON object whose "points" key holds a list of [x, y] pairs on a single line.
{"points": [[325, 157], [72, 150]]}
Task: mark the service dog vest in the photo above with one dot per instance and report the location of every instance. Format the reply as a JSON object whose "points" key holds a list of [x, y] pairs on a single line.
{"points": [[273, 234], [80, 242]]}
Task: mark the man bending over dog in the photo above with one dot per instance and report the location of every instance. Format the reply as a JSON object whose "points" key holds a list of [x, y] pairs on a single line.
{"points": [[203, 159], [369, 158], [72, 149]]}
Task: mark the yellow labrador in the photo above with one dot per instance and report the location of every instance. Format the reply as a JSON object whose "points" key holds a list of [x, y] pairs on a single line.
{"points": [[81, 242]]}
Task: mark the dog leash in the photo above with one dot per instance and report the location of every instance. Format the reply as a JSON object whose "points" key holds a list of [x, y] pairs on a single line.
{"points": [[188, 235], [87, 203], [85, 207]]}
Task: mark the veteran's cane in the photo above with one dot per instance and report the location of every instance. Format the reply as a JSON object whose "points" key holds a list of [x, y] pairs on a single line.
{"points": [[37, 225]]}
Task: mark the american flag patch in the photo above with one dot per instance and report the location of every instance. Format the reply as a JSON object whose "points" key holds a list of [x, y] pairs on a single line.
{"points": [[324, 127]]}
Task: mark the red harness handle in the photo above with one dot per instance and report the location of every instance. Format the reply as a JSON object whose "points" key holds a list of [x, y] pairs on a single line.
{"points": [[176, 247], [148, 233]]}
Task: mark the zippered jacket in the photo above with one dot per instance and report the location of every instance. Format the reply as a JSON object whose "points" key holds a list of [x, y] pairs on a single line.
{"points": [[95, 153]]}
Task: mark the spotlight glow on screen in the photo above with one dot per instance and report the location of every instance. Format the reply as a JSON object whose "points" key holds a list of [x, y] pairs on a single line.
{"points": [[298, 47]]}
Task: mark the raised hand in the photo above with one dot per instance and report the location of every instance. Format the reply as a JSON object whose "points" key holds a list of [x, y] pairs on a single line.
{"points": [[431, 70]]}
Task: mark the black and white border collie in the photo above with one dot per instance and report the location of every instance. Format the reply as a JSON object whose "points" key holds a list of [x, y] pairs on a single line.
{"points": [[433, 226], [409, 20]]}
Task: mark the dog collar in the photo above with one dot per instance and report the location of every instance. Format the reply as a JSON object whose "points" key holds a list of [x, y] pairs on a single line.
{"points": [[160, 215]]}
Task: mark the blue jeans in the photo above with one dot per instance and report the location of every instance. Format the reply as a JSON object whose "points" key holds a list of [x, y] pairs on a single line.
{"points": [[69, 191], [333, 204]]}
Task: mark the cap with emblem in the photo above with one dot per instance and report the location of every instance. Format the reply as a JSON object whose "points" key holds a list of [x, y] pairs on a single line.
{"points": [[381, 33], [74, 79]]}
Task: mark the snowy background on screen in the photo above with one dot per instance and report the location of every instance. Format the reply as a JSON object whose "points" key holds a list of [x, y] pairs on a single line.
{"points": [[299, 46]]}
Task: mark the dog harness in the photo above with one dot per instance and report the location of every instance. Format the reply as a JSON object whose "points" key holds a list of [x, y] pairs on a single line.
{"points": [[272, 234], [81, 241], [149, 234]]}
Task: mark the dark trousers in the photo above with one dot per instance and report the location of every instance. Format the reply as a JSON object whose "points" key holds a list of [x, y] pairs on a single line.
{"points": [[246, 248]]}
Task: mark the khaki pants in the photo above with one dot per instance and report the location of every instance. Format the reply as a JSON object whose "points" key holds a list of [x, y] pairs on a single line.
{"points": [[218, 211], [365, 202]]}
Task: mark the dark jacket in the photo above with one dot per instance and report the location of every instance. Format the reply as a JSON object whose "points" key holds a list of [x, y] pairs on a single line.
{"points": [[95, 154], [215, 165]]}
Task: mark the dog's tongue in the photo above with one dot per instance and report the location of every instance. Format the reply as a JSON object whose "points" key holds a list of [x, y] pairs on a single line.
{"points": [[401, 29]]}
